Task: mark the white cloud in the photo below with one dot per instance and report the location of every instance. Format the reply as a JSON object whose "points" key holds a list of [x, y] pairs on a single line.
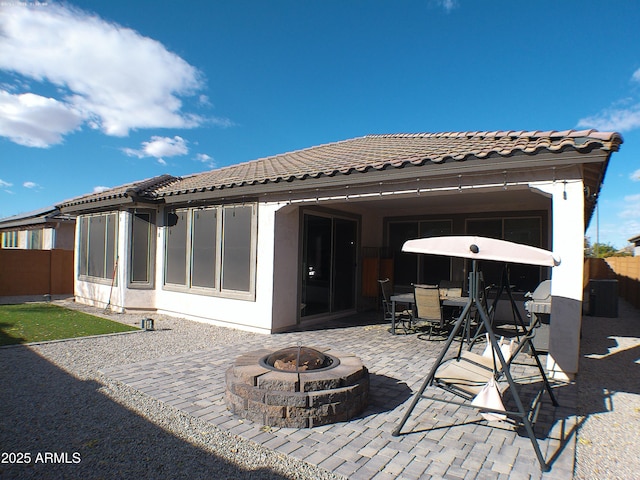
{"points": [[628, 219], [618, 118], [635, 176], [30, 185], [166, 147], [447, 5], [631, 207], [160, 147], [35, 121], [4, 184], [99, 189], [206, 159], [110, 76]]}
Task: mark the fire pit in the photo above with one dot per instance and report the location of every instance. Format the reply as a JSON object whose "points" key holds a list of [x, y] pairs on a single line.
{"points": [[299, 359], [297, 387]]}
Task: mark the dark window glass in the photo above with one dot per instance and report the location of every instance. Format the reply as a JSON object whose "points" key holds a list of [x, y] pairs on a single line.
{"points": [[83, 266], [405, 267], [110, 247], [141, 245], [527, 231], [97, 243], [434, 268], [176, 248], [203, 248], [236, 249], [523, 230], [490, 228], [35, 239]]}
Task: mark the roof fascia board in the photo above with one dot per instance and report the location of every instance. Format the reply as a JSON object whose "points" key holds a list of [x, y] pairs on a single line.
{"points": [[98, 205], [106, 204]]}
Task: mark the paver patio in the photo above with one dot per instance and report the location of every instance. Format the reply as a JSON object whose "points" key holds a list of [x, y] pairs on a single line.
{"points": [[439, 439]]}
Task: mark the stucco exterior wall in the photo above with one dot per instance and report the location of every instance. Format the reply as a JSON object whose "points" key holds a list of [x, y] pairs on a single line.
{"points": [[285, 274], [566, 285], [251, 315]]}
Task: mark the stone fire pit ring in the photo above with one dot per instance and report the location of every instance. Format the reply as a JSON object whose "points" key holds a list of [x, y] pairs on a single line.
{"points": [[297, 399]]}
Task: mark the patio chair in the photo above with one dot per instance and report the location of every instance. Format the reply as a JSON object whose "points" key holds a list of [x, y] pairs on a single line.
{"points": [[428, 308], [403, 315], [450, 289]]}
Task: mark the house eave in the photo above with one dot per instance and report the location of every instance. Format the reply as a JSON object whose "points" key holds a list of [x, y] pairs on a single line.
{"points": [[454, 170]]}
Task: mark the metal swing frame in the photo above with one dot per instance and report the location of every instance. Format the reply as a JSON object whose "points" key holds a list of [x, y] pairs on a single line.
{"points": [[461, 326]]}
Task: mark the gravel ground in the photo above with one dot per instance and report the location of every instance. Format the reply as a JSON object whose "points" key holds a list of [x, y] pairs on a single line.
{"points": [[608, 443], [54, 403]]}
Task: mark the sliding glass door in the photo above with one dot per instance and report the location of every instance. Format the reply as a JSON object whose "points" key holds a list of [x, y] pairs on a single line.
{"points": [[329, 262]]}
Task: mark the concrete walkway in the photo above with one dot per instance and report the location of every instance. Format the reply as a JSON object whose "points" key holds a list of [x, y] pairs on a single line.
{"points": [[439, 440]]}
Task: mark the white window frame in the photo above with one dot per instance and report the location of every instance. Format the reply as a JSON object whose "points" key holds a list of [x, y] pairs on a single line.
{"points": [[10, 239]]}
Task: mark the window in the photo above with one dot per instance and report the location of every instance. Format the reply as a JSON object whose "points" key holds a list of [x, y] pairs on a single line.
{"points": [[525, 230], [211, 249], [176, 248], [98, 245], [236, 251], [410, 268], [203, 256], [34, 239], [142, 249], [10, 239]]}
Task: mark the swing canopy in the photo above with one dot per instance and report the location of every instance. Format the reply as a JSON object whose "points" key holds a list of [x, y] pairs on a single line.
{"points": [[482, 248]]}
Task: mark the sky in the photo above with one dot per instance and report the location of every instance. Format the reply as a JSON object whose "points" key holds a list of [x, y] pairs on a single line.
{"points": [[97, 94]]}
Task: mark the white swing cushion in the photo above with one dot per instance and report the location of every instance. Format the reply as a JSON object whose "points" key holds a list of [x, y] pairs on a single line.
{"points": [[467, 376], [489, 397], [507, 348]]}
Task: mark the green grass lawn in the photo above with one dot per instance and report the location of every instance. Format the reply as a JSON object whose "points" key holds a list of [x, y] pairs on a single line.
{"points": [[39, 322]]}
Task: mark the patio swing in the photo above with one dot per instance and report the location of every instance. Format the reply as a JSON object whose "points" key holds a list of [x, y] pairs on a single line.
{"points": [[471, 376]]}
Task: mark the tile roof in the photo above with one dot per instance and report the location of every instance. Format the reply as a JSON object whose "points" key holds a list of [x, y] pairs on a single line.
{"points": [[142, 188], [358, 155], [379, 152]]}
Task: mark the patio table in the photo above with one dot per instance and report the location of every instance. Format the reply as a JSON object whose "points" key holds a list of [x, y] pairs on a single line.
{"points": [[409, 298]]}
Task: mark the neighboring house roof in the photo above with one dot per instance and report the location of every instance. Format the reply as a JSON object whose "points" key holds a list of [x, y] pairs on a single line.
{"points": [[635, 239], [34, 218], [369, 154], [380, 152]]}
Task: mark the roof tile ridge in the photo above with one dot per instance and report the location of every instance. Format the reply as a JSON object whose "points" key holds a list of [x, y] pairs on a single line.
{"points": [[150, 185]]}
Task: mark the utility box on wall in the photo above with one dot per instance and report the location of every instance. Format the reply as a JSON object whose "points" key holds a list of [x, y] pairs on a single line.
{"points": [[603, 298]]}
